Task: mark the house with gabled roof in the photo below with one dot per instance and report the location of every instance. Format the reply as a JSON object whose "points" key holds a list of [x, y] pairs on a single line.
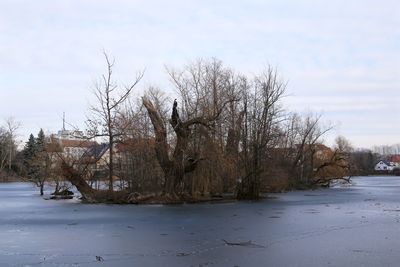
{"points": [[97, 156], [384, 165]]}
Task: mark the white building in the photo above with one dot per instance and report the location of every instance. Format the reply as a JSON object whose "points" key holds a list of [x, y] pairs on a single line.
{"points": [[384, 166], [71, 144], [69, 135]]}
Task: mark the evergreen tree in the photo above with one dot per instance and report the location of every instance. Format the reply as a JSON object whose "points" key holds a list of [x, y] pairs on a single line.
{"points": [[29, 149], [36, 160], [40, 141]]}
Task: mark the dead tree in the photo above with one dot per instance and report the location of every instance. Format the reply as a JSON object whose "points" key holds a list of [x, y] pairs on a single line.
{"points": [[176, 165]]}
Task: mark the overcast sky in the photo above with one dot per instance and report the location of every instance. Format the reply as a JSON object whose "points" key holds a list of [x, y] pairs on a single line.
{"points": [[340, 58]]}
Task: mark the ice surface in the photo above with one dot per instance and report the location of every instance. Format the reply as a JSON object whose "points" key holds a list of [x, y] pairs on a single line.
{"points": [[356, 225]]}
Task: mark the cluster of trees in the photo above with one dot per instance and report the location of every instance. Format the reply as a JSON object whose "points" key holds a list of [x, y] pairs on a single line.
{"points": [[224, 133], [363, 162], [34, 161], [38, 164]]}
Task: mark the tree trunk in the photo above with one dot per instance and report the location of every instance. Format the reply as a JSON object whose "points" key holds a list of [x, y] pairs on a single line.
{"points": [[106, 196], [57, 189], [174, 168], [111, 167], [170, 182], [41, 188], [77, 180]]}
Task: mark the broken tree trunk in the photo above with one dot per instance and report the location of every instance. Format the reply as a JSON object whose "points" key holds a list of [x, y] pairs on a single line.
{"points": [[90, 194], [176, 165]]}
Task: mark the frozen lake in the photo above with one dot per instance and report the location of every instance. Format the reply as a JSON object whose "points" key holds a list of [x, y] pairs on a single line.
{"points": [[356, 225]]}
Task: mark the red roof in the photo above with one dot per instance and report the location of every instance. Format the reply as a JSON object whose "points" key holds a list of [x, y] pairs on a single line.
{"points": [[394, 158], [74, 143], [134, 143]]}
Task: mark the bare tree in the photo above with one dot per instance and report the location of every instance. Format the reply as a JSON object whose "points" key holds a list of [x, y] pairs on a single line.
{"points": [[178, 164], [103, 121], [137, 166], [203, 86], [12, 126], [336, 166], [205, 89], [4, 147], [8, 145], [302, 136], [263, 115]]}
